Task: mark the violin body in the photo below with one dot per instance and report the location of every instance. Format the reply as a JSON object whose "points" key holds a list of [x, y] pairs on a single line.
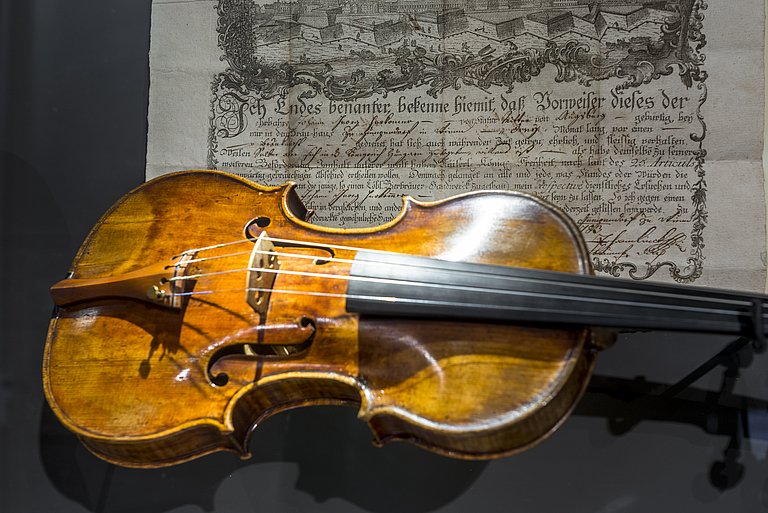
{"points": [[155, 381]]}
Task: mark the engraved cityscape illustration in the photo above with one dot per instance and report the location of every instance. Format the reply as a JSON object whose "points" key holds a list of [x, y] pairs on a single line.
{"points": [[359, 74], [361, 31], [349, 49]]}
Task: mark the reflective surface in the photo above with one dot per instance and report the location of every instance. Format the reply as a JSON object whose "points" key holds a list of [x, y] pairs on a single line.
{"points": [[75, 98]]}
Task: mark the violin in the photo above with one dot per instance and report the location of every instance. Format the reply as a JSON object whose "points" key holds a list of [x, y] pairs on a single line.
{"points": [[201, 304]]}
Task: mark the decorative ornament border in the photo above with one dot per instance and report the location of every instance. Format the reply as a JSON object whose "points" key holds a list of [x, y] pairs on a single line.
{"points": [[247, 81]]}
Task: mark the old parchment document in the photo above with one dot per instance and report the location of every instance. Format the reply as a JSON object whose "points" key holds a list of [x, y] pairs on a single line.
{"points": [[642, 119]]}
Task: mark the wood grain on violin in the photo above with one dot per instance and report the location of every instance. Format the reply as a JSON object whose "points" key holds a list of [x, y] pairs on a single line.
{"points": [[201, 304]]}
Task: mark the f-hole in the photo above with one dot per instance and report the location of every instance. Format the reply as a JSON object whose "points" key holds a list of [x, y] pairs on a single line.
{"points": [[255, 227], [256, 351]]}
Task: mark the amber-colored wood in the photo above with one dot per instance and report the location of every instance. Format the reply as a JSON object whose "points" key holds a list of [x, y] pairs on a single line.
{"points": [[147, 284], [146, 385]]}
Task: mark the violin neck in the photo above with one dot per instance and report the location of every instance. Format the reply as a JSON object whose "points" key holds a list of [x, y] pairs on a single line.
{"points": [[403, 285]]}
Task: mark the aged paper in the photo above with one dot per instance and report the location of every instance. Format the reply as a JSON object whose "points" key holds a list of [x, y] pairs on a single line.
{"points": [[642, 119]]}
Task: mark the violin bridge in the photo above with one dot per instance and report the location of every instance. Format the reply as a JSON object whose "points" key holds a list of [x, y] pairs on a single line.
{"points": [[261, 274]]}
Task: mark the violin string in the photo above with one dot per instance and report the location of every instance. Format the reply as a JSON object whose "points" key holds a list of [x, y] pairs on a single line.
{"points": [[322, 245], [613, 287], [292, 242], [468, 288], [391, 299], [215, 257], [279, 254], [214, 246], [281, 291]]}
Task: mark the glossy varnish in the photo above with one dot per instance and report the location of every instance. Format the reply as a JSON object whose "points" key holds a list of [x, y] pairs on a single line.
{"points": [[143, 384]]}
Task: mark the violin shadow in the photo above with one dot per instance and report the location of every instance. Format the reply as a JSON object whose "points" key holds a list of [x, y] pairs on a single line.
{"points": [[308, 459], [324, 452]]}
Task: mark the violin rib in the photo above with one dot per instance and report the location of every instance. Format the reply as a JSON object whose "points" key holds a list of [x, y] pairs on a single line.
{"points": [[146, 385]]}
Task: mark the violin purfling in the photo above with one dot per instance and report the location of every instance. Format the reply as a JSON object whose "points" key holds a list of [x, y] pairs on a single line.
{"points": [[201, 304]]}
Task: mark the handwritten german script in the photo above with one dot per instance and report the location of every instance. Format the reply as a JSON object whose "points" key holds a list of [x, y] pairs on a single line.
{"points": [[600, 107]]}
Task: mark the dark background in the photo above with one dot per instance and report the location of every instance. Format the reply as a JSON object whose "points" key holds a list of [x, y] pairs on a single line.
{"points": [[73, 99]]}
